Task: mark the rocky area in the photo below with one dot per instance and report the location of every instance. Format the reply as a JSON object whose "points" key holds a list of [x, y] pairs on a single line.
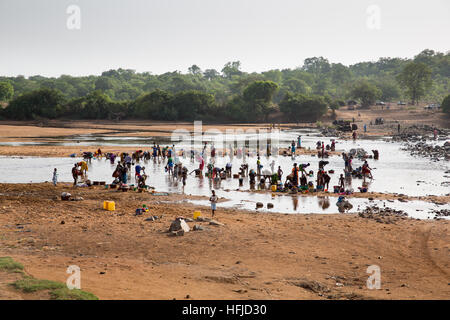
{"points": [[415, 138], [441, 213], [435, 152], [383, 215], [416, 133]]}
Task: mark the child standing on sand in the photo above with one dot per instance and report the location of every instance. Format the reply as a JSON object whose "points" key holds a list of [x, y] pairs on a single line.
{"points": [[55, 177], [213, 199]]}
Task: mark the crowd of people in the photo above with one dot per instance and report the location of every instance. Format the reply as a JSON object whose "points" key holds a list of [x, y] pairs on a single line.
{"points": [[300, 178]]}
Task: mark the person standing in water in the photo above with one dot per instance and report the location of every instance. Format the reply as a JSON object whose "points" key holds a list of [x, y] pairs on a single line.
{"points": [[272, 166], [55, 177], [75, 173], [213, 199], [169, 166], [293, 149], [341, 182], [258, 166], [184, 173], [279, 173], [295, 175]]}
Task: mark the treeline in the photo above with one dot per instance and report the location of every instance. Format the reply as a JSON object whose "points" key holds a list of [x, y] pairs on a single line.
{"points": [[306, 92]]}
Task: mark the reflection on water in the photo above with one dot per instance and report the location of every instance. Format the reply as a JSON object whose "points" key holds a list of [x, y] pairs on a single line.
{"points": [[298, 204], [324, 202], [395, 172]]}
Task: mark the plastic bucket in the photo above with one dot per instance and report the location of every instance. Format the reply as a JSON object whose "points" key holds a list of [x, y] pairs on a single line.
{"points": [[197, 214], [109, 205]]}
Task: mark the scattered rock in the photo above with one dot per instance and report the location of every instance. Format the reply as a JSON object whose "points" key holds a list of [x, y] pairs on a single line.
{"points": [[65, 196], [152, 218], [215, 223], [383, 215], [178, 233], [198, 227], [201, 219], [179, 224], [311, 285]]}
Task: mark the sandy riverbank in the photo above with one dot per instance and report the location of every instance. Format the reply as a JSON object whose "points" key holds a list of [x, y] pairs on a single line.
{"points": [[66, 151], [12, 130], [253, 256]]}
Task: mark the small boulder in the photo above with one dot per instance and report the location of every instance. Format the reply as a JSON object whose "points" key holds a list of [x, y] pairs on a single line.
{"points": [[65, 196], [179, 224], [215, 223], [198, 227]]}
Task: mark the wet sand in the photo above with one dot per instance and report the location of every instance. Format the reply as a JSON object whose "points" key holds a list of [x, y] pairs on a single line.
{"points": [[253, 256], [66, 151], [365, 195], [12, 130]]}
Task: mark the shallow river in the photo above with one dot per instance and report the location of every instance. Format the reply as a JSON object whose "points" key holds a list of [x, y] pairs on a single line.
{"points": [[395, 172]]}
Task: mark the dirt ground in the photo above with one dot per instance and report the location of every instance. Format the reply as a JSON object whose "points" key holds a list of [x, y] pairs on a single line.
{"points": [[13, 130], [252, 256], [403, 115]]}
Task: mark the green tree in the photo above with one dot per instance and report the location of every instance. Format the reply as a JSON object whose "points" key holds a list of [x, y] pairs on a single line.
{"points": [[366, 92], [340, 73], [446, 105], [156, 105], [38, 103], [297, 86], [334, 105], [415, 78], [260, 90], [389, 90], [104, 83], [195, 70], [193, 105], [258, 99], [317, 66], [298, 107], [232, 69], [291, 106], [6, 91], [211, 74], [96, 105]]}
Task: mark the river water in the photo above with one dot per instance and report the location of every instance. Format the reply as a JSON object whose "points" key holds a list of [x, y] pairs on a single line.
{"points": [[395, 172]]}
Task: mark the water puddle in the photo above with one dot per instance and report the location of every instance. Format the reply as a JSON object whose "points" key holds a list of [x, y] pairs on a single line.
{"points": [[297, 204]]}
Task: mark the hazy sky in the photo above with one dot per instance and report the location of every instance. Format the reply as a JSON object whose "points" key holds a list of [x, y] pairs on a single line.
{"points": [[168, 35]]}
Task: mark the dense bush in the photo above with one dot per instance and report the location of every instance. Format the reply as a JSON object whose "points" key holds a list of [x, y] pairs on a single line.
{"points": [[231, 94]]}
